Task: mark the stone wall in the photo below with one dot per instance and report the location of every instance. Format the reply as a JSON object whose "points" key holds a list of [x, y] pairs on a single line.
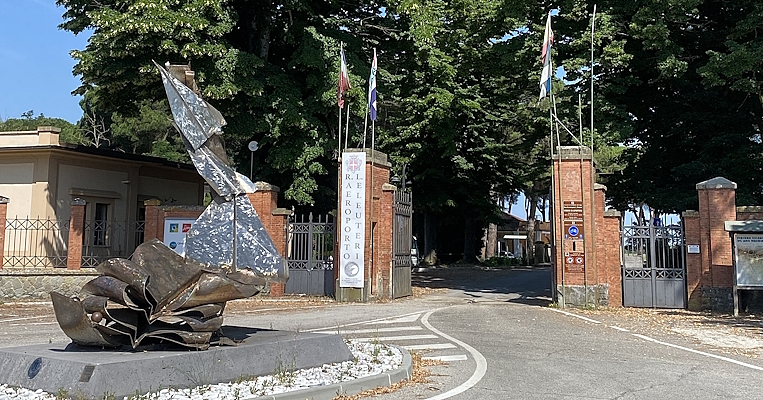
{"points": [[36, 284]]}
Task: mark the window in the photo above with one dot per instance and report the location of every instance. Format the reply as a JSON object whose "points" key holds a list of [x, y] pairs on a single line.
{"points": [[100, 224]]}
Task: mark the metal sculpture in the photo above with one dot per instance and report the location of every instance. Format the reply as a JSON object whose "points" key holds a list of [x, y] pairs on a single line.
{"points": [[158, 296]]}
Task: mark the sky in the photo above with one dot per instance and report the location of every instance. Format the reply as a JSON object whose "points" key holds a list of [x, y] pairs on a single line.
{"points": [[35, 66]]}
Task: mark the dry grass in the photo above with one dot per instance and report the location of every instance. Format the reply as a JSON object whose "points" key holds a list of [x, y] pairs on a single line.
{"points": [[420, 375], [725, 333]]}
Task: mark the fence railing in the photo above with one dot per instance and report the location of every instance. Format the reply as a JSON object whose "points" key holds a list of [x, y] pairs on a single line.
{"points": [[44, 243]]}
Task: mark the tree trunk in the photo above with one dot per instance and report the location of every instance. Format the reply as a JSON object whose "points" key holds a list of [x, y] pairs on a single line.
{"points": [[530, 229], [470, 250], [492, 241], [430, 240]]}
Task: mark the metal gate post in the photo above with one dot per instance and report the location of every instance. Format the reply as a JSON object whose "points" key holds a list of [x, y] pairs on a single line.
{"points": [[653, 262], [310, 257]]}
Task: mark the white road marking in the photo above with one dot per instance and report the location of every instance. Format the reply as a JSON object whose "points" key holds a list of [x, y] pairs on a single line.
{"points": [[479, 372], [22, 318], [374, 330], [395, 338], [575, 315], [731, 360], [365, 322], [401, 320], [619, 328], [458, 357], [431, 346]]}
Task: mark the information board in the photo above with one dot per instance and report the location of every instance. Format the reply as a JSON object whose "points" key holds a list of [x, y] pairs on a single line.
{"points": [[573, 234], [175, 230], [748, 251]]}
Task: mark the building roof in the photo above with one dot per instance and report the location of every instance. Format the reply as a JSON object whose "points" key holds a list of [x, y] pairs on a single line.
{"points": [[46, 138]]}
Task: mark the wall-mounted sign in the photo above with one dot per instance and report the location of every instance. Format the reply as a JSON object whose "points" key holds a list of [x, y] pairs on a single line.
{"points": [[353, 213], [692, 248], [175, 230], [573, 234], [574, 261], [748, 251]]}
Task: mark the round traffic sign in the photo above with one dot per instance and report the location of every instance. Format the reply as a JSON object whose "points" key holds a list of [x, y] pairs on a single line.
{"points": [[573, 230]]}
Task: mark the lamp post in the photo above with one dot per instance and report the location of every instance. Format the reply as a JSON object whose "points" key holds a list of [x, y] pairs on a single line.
{"points": [[253, 146]]}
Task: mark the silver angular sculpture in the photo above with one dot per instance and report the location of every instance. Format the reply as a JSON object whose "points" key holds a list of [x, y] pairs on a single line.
{"points": [[159, 296]]}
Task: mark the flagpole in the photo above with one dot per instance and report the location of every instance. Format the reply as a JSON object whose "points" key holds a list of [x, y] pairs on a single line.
{"points": [[347, 125], [593, 171], [337, 219], [554, 121], [373, 155], [340, 131], [365, 129]]}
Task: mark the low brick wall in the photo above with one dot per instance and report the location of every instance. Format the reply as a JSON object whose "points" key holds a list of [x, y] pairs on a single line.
{"points": [[36, 284]]}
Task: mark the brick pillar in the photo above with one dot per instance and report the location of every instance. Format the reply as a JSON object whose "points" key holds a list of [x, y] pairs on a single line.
{"points": [[717, 204], [694, 269], [609, 237], [383, 240], [607, 250], [76, 230], [575, 274], [3, 215], [152, 228], [265, 202]]}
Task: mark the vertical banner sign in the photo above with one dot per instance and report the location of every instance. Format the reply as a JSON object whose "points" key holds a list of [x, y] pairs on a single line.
{"points": [[353, 214], [574, 252]]}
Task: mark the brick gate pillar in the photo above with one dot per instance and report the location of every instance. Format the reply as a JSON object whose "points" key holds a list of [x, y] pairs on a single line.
{"points": [[76, 232], [152, 226], [274, 219], [717, 204], [607, 251], [3, 215], [695, 273], [578, 280]]}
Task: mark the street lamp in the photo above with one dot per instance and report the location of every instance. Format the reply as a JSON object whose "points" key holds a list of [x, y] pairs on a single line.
{"points": [[253, 146]]}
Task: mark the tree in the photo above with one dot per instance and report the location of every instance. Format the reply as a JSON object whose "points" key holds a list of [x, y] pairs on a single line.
{"points": [[268, 67], [27, 122], [467, 119], [676, 132]]}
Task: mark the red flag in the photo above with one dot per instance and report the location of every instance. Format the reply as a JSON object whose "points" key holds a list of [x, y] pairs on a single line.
{"points": [[344, 80]]}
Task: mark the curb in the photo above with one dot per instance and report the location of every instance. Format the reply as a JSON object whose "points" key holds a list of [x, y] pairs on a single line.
{"points": [[329, 392]]}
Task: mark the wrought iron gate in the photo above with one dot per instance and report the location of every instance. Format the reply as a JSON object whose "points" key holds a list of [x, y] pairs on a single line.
{"points": [[310, 248], [402, 236], [654, 266]]}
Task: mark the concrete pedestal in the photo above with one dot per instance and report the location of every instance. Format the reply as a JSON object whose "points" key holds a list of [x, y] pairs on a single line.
{"points": [[95, 373]]}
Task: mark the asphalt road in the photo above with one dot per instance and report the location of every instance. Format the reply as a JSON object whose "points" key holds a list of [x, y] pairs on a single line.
{"points": [[498, 340]]}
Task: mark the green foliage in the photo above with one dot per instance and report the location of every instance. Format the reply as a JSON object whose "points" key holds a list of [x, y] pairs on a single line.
{"points": [[677, 84], [69, 132], [672, 131], [499, 261]]}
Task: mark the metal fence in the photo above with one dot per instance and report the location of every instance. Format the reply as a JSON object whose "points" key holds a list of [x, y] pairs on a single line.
{"points": [[43, 243], [310, 245]]}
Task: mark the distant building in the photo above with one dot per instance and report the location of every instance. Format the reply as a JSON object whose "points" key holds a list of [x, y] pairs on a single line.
{"points": [[512, 235], [42, 177]]}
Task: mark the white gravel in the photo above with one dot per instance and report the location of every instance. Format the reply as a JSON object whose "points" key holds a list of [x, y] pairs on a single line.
{"points": [[370, 359]]}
